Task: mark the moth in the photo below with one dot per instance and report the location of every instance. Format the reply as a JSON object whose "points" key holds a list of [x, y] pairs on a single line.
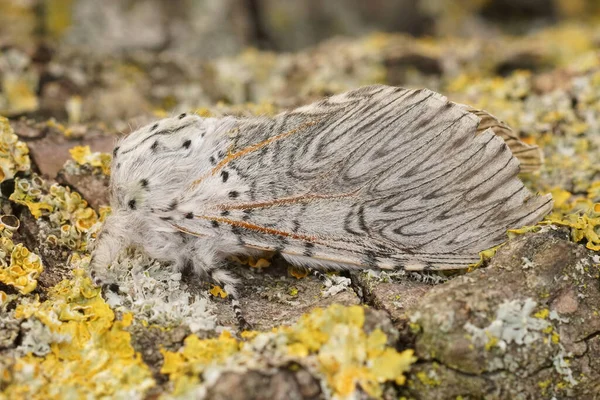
{"points": [[378, 177]]}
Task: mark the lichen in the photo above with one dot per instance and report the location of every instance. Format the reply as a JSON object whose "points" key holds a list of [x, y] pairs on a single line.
{"points": [[513, 324], [10, 328], [19, 267], [18, 83], [331, 341], [347, 356], [155, 294], [67, 212], [585, 226], [217, 291], [97, 160], [90, 352], [298, 272], [14, 154], [183, 367]]}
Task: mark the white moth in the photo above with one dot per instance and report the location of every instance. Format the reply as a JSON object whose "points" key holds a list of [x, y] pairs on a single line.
{"points": [[379, 177]]}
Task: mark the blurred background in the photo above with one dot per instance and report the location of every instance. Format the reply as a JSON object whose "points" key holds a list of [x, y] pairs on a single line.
{"points": [[121, 62], [212, 28]]}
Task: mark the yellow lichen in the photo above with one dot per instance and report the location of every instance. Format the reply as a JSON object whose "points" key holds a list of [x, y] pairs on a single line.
{"points": [[14, 155], [347, 356], [492, 341], [67, 211], [84, 156], [427, 379], [197, 354], [260, 263], [253, 262], [217, 291], [584, 226], [485, 256], [19, 91], [333, 338], [298, 272], [23, 267], [543, 385], [96, 360]]}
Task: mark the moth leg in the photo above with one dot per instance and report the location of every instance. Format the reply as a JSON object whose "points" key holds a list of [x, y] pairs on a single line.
{"points": [[325, 280], [206, 262], [229, 283]]}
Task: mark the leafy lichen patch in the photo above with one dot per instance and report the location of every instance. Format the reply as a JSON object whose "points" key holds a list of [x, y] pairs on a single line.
{"points": [[330, 342], [68, 214], [14, 154], [90, 352], [19, 267], [83, 155], [514, 323], [585, 226]]}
